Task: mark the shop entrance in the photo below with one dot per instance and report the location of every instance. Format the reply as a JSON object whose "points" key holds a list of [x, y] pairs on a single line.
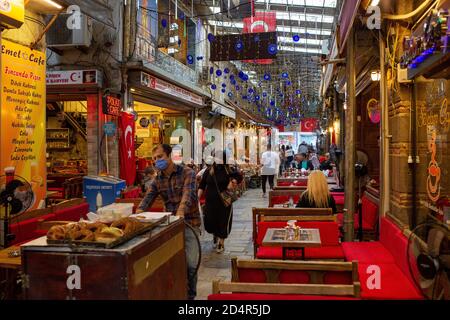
{"points": [[66, 149]]}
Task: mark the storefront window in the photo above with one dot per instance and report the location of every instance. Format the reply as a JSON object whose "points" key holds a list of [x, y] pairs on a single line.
{"points": [[433, 174]]}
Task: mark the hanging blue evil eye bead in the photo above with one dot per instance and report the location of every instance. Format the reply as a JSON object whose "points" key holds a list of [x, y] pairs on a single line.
{"points": [[272, 49], [239, 46], [211, 37], [256, 39], [272, 102], [245, 78], [223, 90], [250, 90], [164, 23], [296, 38], [257, 98], [244, 97], [199, 58], [238, 88], [213, 86], [230, 94], [232, 77], [190, 59], [211, 70], [285, 75], [218, 72], [224, 85], [288, 83], [264, 94], [298, 91], [181, 15], [226, 70], [267, 77], [179, 42]]}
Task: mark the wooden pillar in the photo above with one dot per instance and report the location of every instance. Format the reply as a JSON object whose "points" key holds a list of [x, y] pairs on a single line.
{"points": [[350, 139]]}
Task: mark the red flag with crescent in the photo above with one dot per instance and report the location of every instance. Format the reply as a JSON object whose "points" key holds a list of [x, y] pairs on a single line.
{"points": [[309, 125], [262, 21], [126, 148]]}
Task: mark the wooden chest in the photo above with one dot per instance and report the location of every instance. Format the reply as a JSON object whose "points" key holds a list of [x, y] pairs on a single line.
{"points": [[151, 266]]}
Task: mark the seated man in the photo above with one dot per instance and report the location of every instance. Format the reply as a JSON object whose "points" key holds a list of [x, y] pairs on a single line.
{"points": [[301, 162], [327, 164]]}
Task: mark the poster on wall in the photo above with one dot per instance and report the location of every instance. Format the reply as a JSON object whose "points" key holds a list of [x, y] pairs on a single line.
{"points": [[22, 122]]}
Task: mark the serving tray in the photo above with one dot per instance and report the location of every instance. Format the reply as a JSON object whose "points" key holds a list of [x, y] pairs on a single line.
{"points": [[147, 226]]}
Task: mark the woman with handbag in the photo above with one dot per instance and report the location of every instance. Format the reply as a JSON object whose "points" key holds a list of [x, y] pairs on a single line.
{"points": [[220, 183]]}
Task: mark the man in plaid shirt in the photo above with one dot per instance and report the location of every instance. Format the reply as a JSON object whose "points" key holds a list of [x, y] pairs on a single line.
{"points": [[177, 186]]}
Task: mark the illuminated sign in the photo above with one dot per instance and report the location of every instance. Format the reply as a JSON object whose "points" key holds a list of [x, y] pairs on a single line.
{"points": [[112, 106]]}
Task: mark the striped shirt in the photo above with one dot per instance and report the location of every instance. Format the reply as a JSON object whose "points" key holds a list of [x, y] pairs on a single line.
{"points": [[179, 192]]}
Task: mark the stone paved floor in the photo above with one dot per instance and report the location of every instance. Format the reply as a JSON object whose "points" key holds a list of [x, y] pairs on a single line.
{"points": [[239, 243]]}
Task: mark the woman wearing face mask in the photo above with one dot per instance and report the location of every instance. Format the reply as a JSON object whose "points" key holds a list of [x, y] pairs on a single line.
{"points": [[218, 217]]}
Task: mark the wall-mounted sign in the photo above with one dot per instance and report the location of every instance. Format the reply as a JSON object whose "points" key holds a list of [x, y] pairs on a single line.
{"points": [[170, 89], [22, 116], [110, 129], [112, 105], [12, 13], [74, 77], [144, 122]]}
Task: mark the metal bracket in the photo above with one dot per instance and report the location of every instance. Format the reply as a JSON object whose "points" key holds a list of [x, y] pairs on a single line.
{"points": [[47, 27]]}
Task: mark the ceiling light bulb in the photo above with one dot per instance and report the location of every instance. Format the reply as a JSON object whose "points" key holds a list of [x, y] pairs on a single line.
{"points": [[375, 75], [374, 3]]}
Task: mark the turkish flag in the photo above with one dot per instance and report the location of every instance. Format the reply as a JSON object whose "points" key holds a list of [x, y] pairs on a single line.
{"points": [[309, 124], [262, 21], [126, 148]]}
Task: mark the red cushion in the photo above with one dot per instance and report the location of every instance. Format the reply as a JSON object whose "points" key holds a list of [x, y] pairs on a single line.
{"points": [[74, 213], [394, 284], [370, 212], [261, 296], [283, 184], [336, 277], [251, 275], [284, 199], [327, 252], [367, 252], [293, 276], [340, 200], [398, 249], [300, 183], [269, 253], [388, 230], [24, 231]]}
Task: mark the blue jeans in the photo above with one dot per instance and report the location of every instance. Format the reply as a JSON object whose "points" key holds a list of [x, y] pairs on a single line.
{"points": [[192, 250]]}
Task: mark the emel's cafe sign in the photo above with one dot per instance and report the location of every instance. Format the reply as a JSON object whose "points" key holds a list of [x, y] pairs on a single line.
{"points": [[12, 13]]}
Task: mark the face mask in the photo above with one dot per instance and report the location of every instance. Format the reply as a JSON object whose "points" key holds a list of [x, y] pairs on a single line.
{"points": [[161, 164]]}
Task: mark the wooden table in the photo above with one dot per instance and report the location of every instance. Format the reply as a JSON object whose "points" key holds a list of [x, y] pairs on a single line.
{"points": [[276, 237]]}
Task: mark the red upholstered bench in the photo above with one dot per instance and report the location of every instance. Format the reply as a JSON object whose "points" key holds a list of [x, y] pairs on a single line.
{"points": [[389, 253], [329, 236], [26, 230], [74, 213]]}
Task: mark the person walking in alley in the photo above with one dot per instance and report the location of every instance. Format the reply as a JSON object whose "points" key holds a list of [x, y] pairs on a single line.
{"points": [[219, 183], [177, 186], [270, 162]]}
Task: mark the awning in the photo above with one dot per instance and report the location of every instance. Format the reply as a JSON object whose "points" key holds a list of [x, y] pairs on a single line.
{"points": [[329, 69], [224, 110], [346, 19], [247, 116]]}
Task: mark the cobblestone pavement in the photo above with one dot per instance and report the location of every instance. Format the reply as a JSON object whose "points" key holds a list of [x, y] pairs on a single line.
{"points": [[216, 266]]}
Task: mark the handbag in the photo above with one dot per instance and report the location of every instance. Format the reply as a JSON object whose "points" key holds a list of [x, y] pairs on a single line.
{"points": [[227, 196]]}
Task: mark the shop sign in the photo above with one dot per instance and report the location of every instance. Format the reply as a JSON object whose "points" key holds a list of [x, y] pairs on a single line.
{"points": [[110, 129], [74, 77], [223, 110], [170, 89], [12, 13], [22, 129], [112, 105]]}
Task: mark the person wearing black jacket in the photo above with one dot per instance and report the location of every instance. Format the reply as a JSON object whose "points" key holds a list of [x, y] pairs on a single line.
{"points": [[317, 194], [217, 217]]}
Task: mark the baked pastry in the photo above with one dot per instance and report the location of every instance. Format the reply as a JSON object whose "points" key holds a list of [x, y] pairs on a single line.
{"points": [[108, 234], [56, 233], [95, 227], [127, 225], [81, 235]]}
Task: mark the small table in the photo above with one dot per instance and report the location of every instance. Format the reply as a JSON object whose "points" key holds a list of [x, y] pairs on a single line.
{"points": [[276, 237]]}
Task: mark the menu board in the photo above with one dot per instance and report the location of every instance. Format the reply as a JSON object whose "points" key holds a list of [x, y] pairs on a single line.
{"points": [[22, 118]]}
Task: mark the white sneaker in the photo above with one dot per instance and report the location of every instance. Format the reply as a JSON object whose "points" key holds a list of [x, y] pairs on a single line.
{"points": [[264, 195]]}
